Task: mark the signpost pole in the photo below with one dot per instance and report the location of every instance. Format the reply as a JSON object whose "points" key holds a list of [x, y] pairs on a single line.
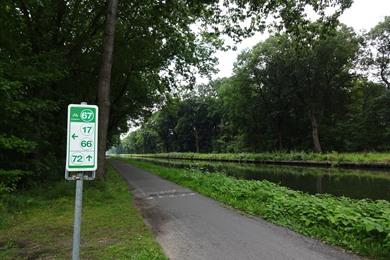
{"points": [[78, 205], [81, 157]]}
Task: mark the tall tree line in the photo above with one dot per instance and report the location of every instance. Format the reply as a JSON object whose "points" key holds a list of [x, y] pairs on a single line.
{"points": [[51, 53], [287, 93]]}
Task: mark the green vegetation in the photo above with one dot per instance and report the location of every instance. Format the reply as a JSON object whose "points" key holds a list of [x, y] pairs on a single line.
{"points": [[362, 226], [51, 55], [38, 223], [274, 169], [377, 51], [334, 158], [287, 93], [300, 89], [357, 184]]}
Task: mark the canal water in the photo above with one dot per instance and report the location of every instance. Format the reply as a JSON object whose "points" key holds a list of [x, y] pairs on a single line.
{"points": [[358, 184]]}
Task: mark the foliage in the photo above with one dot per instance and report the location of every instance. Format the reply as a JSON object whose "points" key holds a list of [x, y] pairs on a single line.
{"points": [[49, 57], [50, 53], [377, 52], [27, 116], [287, 93], [290, 83], [362, 226], [367, 124], [191, 125], [9, 180], [38, 223]]}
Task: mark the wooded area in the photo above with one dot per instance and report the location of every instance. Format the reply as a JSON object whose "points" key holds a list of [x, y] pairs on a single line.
{"points": [[285, 90], [326, 89], [315, 93]]}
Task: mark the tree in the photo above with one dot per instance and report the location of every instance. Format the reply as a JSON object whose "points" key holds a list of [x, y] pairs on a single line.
{"points": [[51, 49], [366, 125], [50, 52], [291, 14], [164, 122], [14, 139], [269, 69], [378, 51], [104, 84], [322, 71], [197, 124], [289, 78]]}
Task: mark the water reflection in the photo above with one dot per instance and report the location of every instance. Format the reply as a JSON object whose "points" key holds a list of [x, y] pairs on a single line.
{"points": [[359, 184]]}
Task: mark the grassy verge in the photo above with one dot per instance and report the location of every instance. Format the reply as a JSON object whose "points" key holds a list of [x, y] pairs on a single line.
{"points": [[333, 158], [39, 223], [362, 226]]}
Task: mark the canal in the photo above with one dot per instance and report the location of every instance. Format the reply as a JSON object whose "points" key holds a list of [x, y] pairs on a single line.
{"points": [[358, 184]]}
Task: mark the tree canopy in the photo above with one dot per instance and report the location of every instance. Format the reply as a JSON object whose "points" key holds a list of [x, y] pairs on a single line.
{"points": [[50, 55], [286, 93], [377, 53]]}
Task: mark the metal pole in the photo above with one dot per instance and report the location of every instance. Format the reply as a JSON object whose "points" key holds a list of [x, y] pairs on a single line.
{"points": [[77, 216], [78, 206]]}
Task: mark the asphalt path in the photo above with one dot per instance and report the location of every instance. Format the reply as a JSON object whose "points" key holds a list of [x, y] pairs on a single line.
{"points": [[191, 226]]}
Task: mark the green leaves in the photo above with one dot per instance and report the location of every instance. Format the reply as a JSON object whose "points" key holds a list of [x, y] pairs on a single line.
{"points": [[377, 54], [9, 180]]}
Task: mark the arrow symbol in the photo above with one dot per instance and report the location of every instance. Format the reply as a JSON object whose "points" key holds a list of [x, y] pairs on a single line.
{"points": [[74, 136], [89, 157]]}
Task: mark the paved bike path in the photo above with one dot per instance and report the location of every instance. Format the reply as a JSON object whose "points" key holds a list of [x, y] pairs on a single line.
{"points": [[191, 226]]}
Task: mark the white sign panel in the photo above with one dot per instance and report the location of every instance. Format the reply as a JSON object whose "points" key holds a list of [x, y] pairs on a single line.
{"points": [[81, 152]]}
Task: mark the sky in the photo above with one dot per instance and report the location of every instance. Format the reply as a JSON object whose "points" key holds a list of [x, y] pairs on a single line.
{"points": [[363, 15]]}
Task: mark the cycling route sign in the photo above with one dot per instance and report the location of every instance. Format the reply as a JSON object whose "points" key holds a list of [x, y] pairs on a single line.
{"points": [[82, 135]]}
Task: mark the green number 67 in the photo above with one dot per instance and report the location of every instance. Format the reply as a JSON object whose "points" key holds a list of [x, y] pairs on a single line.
{"points": [[87, 115]]}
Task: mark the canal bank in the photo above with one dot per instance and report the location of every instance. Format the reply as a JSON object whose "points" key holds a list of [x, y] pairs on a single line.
{"points": [[370, 160], [362, 226], [357, 184]]}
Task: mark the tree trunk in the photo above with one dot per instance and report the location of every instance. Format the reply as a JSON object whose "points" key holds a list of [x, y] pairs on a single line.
{"points": [[280, 140], [196, 139], [104, 84], [314, 129], [280, 135], [383, 77]]}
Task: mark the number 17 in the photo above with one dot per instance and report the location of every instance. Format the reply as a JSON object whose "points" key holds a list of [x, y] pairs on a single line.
{"points": [[87, 129]]}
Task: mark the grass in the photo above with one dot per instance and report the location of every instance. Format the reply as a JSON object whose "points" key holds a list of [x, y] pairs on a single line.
{"points": [[39, 223], [361, 226], [334, 157], [275, 169]]}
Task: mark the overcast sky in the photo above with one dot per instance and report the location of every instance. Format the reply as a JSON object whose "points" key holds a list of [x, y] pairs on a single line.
{"points": [[363, 15]]}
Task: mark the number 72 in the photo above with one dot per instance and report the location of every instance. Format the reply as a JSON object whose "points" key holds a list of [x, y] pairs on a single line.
{"points": [[77, 158]]}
